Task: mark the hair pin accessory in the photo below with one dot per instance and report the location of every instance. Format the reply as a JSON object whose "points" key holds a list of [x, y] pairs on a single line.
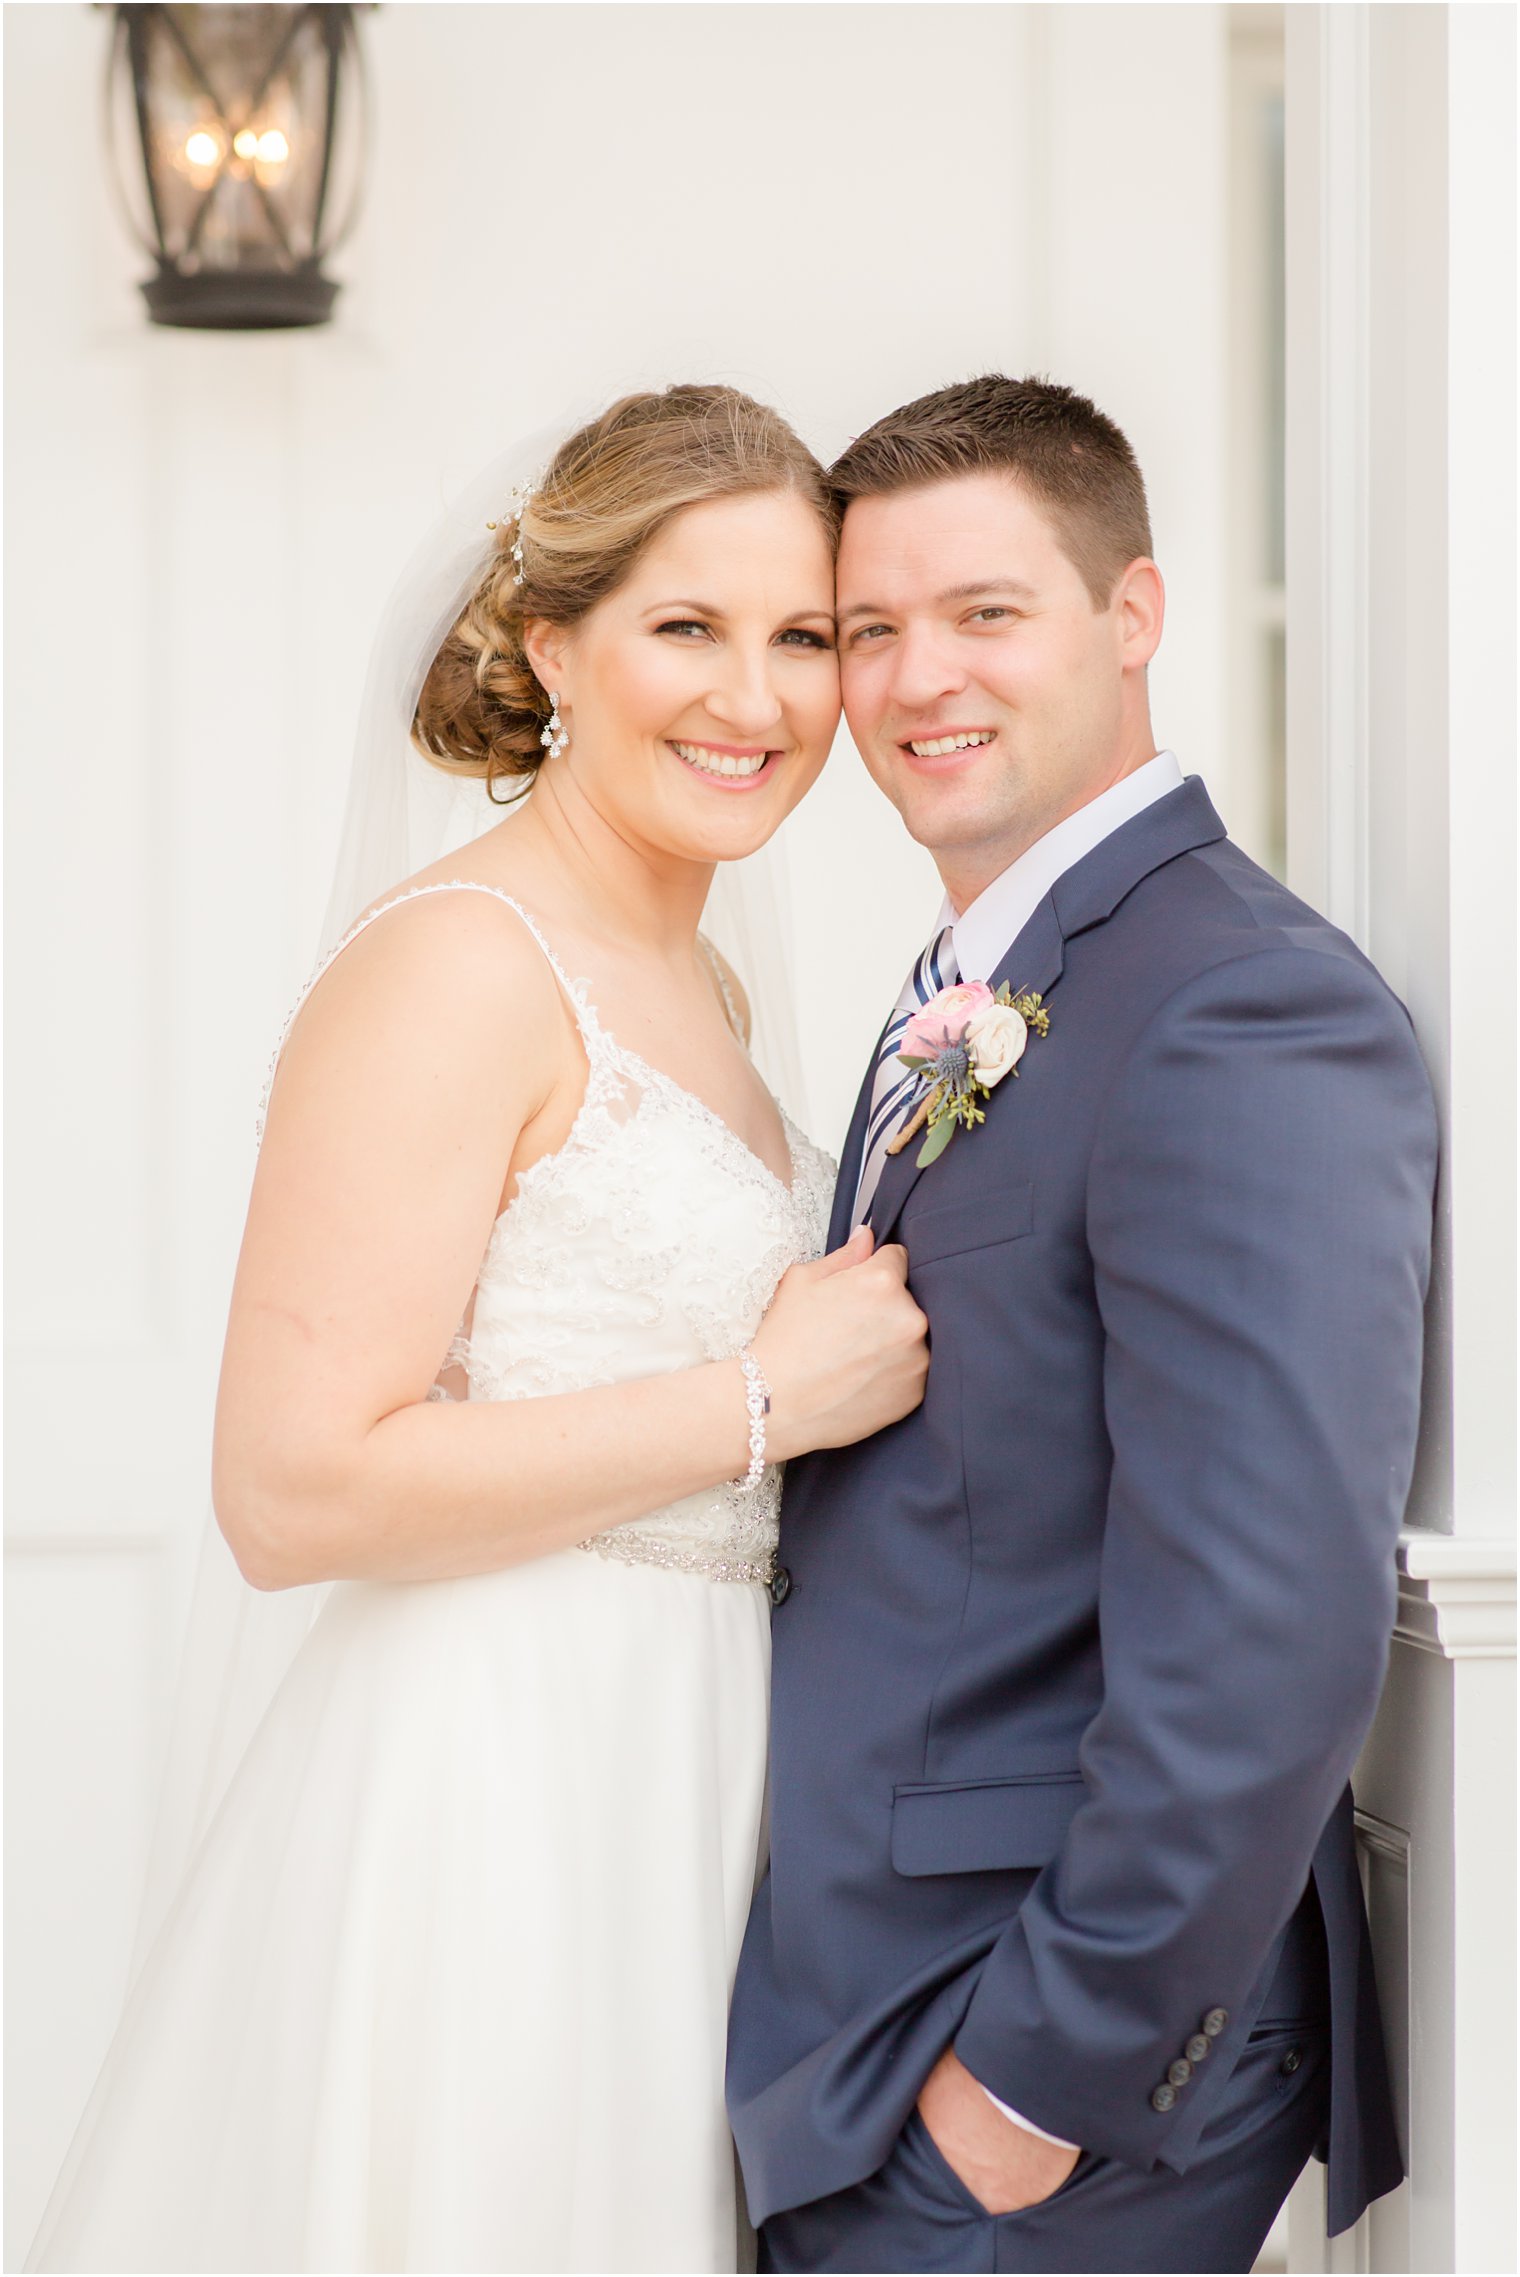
{"points": [[517, 500]]}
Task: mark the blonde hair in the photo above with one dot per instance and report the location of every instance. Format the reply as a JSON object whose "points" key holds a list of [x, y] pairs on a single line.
{"points": [[608, 491]]}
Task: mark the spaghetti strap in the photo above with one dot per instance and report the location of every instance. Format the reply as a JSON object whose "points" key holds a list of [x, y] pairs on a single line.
{"points": [[575, 991], [720, 975]]}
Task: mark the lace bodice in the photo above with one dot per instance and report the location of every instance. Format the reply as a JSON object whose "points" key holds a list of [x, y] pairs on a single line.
{"points": [[651, 1240]]}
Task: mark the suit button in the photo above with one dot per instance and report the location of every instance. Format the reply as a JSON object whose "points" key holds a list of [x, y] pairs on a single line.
{"points": [[1291, 2062], [1215, 2022], [1180, 2072], [781, 1586], [1197, 2048], [1163, 2097]]}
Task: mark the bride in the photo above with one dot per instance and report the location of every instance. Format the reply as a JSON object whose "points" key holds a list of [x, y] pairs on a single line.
{"points": [[530, 1306]]}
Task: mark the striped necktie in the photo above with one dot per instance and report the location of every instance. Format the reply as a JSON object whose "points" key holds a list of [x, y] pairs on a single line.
{"points": [[895, 1084]]}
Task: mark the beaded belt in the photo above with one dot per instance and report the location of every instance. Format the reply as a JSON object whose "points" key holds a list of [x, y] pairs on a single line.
{"points": [[624, 1547]]}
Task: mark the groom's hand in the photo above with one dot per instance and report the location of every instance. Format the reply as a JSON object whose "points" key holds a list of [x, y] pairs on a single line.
{"points": [[1003, 2166]]}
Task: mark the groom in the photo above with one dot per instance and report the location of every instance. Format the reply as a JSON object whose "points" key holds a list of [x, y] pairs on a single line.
{"points": [[1061, 1961]]}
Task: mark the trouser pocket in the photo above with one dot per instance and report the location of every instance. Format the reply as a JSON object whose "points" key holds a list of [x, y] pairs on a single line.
{"points": [[922, 2154], [1283, 2061], [927, 2165]]}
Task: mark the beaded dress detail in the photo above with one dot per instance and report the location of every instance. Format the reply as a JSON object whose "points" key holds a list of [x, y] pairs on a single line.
{"points": [[649, 1242], [653, 1239]]}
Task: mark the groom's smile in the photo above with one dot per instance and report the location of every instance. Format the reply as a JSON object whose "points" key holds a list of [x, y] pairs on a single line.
{"points": [[945, 742]]}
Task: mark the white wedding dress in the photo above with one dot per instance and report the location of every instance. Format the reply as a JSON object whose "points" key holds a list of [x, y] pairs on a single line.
{"points": [[446, 1986]]}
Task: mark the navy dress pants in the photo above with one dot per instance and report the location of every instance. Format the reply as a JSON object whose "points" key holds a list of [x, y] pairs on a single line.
{"points": [[915, 2214]]}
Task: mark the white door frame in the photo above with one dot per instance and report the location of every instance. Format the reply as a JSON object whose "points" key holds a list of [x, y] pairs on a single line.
{"points": [[1401, 810]]}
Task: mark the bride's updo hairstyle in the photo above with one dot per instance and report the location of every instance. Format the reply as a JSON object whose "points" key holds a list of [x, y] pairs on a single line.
{"points": [[608, 491]]}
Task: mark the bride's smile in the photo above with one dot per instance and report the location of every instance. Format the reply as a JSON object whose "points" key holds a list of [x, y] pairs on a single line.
{"points": [[728, 768]]}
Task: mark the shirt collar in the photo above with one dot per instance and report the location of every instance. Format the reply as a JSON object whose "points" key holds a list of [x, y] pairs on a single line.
{"points": [[987, 928]]}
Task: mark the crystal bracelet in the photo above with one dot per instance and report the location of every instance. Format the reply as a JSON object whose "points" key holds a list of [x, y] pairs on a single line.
{"points": [[757, 1399]]}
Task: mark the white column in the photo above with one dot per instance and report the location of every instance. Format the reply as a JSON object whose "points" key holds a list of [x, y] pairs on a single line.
{"points": [[1401, 608]]}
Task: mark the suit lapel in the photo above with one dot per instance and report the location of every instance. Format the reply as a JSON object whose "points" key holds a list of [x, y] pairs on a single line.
{"points": [[854, 1147], [1092, 889], [1085, 895]]}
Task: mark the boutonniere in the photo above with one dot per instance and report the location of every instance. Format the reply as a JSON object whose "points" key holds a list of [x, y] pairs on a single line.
{"points": [[961, 1045]]}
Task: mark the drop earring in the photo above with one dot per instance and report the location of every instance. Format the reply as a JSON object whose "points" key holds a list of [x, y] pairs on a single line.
{"points": [[555, 737]]}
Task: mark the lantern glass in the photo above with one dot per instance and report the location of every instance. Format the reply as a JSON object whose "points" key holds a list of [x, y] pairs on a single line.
{"points": [[238, 134]]}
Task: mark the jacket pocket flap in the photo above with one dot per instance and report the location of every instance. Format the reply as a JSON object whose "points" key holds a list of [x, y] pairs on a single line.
{"points": [[974, 1826], [950, 1227]]}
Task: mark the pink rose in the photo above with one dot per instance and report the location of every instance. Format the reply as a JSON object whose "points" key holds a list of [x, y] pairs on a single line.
{"points": [[942, 1021]]}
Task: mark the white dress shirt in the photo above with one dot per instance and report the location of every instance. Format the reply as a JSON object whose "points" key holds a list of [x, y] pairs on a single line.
{"points": [[988, 927]]}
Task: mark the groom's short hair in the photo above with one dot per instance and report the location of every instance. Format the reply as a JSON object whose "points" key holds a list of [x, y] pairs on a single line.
{"points": [[1071, 459]]}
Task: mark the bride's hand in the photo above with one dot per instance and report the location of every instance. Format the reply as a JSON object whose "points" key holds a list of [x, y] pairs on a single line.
{"points": [[843, 1348]]}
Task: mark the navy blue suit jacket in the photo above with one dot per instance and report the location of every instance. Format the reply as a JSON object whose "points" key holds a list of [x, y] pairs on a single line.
{"points": [[1077, 1658]]}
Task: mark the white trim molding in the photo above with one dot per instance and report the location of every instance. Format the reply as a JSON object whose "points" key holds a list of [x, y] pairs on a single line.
{"points": [[1456, 1595], [1400, 487], [1329, 347]]}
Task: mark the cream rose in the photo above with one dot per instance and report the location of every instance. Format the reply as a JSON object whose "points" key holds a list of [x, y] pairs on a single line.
{"points": [[995, 1038]]}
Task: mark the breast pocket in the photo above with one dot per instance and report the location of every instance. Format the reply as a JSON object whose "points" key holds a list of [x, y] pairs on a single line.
{"points": [[951, 1228], [976, 1826]]}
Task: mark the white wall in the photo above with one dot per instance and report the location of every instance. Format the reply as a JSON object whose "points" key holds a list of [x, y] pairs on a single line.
{"points": [[838, 207]]}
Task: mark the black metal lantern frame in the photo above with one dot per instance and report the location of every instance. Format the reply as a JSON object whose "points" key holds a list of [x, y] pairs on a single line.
{"points": [[247, 130]]}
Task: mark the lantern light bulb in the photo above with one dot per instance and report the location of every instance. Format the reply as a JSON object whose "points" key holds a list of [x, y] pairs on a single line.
{"points": [[246, 143], [202, 149], [273, 148]]}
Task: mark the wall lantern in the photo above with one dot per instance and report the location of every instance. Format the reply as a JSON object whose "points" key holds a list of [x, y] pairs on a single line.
{"points": [[237, 136]]}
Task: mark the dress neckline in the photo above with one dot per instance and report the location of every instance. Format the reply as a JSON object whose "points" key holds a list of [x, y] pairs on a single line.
{"points": [[645, 1071], [596, 1033], [651, 1078]]}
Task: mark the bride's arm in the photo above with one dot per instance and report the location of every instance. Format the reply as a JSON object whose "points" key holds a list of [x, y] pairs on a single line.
{"points": [[435, 1052]]}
